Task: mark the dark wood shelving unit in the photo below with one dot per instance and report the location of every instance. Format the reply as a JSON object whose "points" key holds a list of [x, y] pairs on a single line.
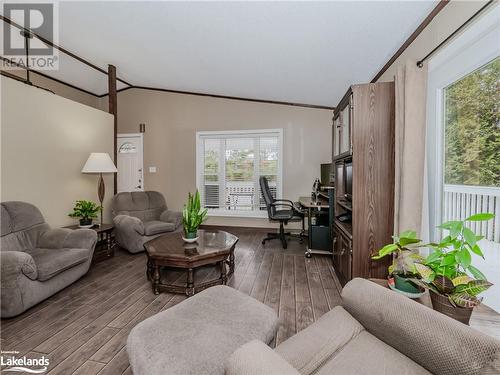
{"points": [[363, 134]]}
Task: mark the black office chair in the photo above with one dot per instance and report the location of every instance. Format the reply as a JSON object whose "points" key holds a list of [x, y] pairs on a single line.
{"points": [[281, 210]]}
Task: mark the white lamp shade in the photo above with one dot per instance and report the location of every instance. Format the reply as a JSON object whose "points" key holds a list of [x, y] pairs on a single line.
{"points": [[99, 162]]}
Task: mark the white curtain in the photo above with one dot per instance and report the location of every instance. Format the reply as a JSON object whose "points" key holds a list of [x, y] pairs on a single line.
{"points": [[410, 133]]}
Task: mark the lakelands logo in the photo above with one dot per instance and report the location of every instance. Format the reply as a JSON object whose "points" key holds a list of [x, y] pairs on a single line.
{"points": [[26, 27], [23, 364]]}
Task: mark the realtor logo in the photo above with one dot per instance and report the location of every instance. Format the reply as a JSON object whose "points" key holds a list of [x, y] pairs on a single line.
{"points": [[23, 364], [21, 46]]}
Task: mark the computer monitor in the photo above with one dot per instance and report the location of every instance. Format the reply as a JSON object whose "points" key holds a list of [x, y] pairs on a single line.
{"points": [[326, 172]]}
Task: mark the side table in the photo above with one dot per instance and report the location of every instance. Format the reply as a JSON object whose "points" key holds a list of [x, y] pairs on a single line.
{"points": [[105, 247]]}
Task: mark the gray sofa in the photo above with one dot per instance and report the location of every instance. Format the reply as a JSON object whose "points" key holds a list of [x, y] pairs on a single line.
{"points": [[140, 216], [37, 261], [375, 331]]}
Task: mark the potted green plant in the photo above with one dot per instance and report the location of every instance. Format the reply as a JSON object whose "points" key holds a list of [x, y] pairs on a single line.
{"points": [[405, 256], [192, 217], [85, 211], [454, 283]]}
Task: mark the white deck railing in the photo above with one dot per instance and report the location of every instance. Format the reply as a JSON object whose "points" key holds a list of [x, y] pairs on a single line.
{"points": [[461, 201]]}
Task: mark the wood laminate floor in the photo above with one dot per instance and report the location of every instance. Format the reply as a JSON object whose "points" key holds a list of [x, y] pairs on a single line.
{"points": [[83, 329]]}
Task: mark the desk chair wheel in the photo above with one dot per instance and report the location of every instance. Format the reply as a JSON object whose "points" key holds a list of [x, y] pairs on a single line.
{"points": [[308, 254]]}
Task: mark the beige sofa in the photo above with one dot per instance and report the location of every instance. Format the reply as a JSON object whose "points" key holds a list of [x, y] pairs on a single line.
{"points": [[375, 331]]}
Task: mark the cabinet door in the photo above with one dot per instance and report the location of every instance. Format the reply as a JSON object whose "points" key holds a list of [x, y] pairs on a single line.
{"points": [[336, 136], [346, 259], [336, 251], [345, 133]]}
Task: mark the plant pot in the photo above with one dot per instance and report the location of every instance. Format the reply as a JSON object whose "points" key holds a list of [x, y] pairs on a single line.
{"points": [[442, 304], [403, 284], [85, 222], [191, 235]]}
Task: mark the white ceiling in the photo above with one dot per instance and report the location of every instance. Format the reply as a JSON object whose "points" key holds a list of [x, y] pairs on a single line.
{"points": [[305, 52]]}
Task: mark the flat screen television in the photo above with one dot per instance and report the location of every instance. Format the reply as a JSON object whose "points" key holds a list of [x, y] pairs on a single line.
{"points": [[348, 180], [326, 171]]}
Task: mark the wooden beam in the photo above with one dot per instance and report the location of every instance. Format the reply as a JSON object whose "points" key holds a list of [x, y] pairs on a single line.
{"points": [[411, 38], [113, 109], [265, 101]]}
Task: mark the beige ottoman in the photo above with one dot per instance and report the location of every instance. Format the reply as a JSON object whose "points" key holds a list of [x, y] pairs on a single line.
{"points": [[199, 334]]}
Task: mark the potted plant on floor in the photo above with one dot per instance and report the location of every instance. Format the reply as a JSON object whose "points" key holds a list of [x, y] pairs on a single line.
{"points": [[85, 211], [405, 255], [192, 217], [454, 283]]}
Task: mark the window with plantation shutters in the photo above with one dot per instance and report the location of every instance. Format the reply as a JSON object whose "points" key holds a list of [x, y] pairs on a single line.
{"points": [[228, 168]]}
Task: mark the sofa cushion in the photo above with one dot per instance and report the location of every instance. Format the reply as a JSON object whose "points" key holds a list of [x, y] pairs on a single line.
{"points": [[50, 262], [136, 202], [311, 347], [367, 355], [199, 334], [256, 358], [155, 227]]}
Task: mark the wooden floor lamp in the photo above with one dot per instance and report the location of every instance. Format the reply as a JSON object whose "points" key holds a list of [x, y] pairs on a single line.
{"points": [[99, 163]]}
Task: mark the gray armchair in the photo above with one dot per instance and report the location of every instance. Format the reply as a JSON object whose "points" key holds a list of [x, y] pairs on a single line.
{"points": [[140, 216], [37, 261]]}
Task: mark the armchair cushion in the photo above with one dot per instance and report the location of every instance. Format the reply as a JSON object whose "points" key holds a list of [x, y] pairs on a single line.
{"points": [[14, 263], [367, 355], [59, 238], [50, 262], [173, 217], [322, 344], [156, 227], [256, 358]]}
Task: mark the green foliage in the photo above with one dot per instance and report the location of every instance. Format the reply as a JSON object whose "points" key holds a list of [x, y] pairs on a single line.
{"points": [[192, 214], [85, 210], [239, 164], [448, 269], [472, 128], [405, 257]]}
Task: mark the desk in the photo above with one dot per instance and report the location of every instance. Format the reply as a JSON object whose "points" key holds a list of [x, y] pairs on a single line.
{"points": [[317, 234]]}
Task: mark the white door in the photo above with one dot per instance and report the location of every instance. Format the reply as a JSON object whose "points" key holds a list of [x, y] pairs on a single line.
{"points": [[130, 169]]}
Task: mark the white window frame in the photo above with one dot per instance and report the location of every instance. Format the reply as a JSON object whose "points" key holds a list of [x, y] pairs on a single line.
{"points": [[474, 48], [237, 134]]}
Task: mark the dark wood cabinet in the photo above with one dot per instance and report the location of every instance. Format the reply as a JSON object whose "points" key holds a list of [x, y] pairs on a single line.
{"points": [[342, 253], [363, 147]]}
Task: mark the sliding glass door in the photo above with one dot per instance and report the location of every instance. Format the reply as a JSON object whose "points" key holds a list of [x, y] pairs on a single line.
{"points": [[463, 140]]}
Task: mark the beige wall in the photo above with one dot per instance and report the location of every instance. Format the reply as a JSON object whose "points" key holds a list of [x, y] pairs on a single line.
{"points": [[170, 139], [60, 89], [45, 141], [446, 22]]}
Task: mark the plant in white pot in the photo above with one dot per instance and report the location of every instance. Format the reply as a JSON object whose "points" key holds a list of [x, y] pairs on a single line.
{"points": [[405, 255], [192, 217]]}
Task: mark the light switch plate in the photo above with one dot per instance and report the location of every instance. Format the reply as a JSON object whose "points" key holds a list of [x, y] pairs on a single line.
{"points": [[152, 169]]}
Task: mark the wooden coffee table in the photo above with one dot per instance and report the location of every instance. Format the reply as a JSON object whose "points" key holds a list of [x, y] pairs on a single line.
{"points": [[169, 250]]}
